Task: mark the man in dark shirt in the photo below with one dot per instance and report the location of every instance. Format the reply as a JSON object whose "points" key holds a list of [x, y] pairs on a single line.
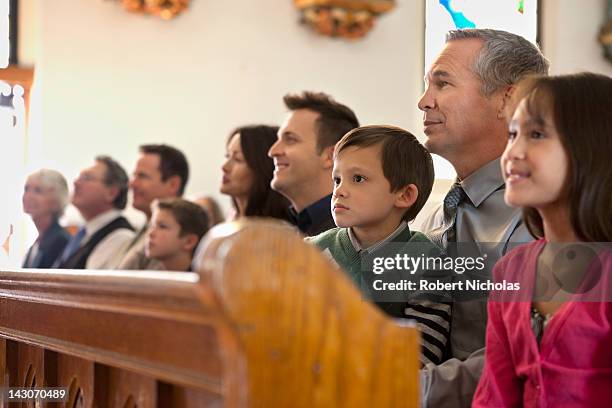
{"points": [[303, 157]]}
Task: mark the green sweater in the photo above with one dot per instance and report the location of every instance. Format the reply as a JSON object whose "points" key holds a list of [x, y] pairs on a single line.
{"points": [[337, 243], [432, 318]]}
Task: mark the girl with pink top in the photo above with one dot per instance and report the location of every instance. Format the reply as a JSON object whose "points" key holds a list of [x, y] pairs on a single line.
{"points": [[550, 343]]}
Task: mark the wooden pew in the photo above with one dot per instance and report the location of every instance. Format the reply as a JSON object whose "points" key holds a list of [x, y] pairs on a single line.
{"points": [[266, 322]]}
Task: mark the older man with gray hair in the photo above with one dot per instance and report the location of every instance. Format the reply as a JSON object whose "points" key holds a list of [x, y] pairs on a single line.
{"points": [[100, 193], [468, 89]]}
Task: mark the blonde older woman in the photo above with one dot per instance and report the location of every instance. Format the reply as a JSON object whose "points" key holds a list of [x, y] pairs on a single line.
{"points": [[45, 196]]}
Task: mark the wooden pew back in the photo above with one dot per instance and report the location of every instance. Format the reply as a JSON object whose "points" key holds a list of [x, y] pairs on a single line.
{"points": [[309, 337], [117, 339], [266, 322]]}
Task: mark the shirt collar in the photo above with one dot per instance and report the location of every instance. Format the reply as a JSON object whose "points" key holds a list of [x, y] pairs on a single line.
{"points": [[483, 182], [403, 225], [99, 221], [315, 211]]}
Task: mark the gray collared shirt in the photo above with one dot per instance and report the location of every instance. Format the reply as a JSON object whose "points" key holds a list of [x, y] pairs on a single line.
{"points": [[403, 225], [484, 219]]}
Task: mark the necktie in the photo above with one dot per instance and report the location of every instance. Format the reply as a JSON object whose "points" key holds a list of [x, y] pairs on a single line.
{"points": [[455, 196], [73, 245]]}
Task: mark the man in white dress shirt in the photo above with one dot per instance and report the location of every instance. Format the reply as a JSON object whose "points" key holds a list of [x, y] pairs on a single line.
{"points": [[100, 193]]}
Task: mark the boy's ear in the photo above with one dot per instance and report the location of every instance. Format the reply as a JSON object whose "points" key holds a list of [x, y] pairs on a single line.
{"points": [[406, 196], [327, 157], [191, 241]]}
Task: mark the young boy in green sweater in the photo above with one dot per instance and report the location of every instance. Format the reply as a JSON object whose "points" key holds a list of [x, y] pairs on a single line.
{"points": [[382, 178]]}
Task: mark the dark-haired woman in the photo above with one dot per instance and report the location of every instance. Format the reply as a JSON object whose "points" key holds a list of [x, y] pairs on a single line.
{"points": [[247, 173]]}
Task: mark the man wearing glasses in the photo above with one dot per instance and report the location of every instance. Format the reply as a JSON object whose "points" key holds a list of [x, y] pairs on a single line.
{"points": [[100, 193]]}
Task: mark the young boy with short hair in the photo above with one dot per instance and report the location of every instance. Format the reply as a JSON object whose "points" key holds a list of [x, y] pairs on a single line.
{"points": [[176, 227], [382, 178]]}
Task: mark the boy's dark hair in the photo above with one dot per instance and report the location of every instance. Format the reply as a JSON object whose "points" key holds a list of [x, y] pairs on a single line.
{"points": [[580, 107], [115, 175], [404, 160], [172, 162], [190, 217], [335, 119]]}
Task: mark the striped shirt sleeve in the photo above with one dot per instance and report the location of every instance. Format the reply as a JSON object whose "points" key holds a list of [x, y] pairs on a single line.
{"points": [[433, 320]]}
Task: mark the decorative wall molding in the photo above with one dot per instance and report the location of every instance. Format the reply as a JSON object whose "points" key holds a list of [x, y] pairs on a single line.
{"points": [[166, 9], [350, 19]]}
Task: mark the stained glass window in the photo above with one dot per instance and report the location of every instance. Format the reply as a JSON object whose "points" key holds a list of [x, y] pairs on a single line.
{"points": [[516, 16]]}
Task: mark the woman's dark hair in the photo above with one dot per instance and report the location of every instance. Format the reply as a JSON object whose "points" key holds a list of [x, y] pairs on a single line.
{"points": [[255, 141], [581, 107]]}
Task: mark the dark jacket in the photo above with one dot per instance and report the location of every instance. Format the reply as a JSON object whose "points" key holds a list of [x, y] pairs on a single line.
{"points": [[50, 246], [314, 219]]}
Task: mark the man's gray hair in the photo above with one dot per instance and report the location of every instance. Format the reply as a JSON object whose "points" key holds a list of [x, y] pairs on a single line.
{"points": [[115, 176], [56, 183], [504, 59]]}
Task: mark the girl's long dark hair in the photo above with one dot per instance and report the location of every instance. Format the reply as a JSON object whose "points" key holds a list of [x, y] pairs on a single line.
{"points": [[581, 109]]}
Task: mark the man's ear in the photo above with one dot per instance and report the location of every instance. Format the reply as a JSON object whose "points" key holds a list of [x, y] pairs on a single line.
{"points": [[191, 240], [406, 196], [505, 104], [174, 183], [112, 193], [327, 157]]}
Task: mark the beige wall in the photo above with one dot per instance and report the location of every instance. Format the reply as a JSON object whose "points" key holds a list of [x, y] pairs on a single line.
{"points": [[569, 35], [108, 80], [111, 80]]}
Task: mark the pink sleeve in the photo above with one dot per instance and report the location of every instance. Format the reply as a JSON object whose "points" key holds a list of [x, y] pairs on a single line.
{"points": [[499, 386]]}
